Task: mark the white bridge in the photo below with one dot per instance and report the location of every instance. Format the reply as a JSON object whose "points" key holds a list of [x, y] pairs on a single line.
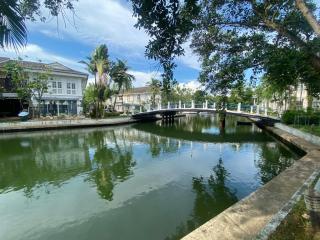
{"points": [[171, 109]]}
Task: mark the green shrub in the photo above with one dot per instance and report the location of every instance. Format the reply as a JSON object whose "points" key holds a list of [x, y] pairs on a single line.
{"points": [[288, 116], [300, 117], [111, 114]]}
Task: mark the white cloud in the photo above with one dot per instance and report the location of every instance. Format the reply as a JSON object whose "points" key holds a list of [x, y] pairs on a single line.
{"points": [[142, 78], [33, 52], [189, 58], [192, 85], [96, 22]]}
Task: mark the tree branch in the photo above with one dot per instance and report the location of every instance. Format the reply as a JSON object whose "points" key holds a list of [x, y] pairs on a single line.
{"points": [[311, 19]]}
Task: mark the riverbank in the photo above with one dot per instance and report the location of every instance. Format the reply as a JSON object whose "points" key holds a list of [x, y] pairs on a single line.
{"points": [[248, 217], [62, 124]]}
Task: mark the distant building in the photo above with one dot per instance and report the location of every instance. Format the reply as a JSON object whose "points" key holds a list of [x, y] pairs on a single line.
{"points": [[298, 99], [64, 95], [132, 99]]}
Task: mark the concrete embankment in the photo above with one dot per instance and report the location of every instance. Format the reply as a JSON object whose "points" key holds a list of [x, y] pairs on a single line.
{"points": [[61, 124], [248, 217]]}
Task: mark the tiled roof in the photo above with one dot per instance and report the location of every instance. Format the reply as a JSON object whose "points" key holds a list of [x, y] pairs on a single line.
{"points": [[138, 90], [2, 59], [54, 67]]}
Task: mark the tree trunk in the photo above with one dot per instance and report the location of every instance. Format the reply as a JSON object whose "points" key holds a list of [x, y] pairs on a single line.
{"points": [[308, 16], [114, 102]]}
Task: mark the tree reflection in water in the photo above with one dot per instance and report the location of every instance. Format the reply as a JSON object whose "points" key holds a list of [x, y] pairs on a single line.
{"points": [[272, 160], [212, 197], [113, 163]]}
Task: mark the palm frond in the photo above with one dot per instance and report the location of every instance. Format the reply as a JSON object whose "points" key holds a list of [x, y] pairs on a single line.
{"points": [[13, 31]]}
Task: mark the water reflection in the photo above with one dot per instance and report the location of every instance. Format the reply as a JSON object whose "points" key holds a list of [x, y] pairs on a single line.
{"points": [[181, 174], [212, 197]]}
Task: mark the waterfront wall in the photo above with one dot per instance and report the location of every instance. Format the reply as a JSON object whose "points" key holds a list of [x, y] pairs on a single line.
{"points": [[296, 132], [248, 218]]}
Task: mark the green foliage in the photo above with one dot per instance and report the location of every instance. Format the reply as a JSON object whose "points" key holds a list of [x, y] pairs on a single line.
{"points": [[179, 93], [13, 14], [89, 98], [39, 83], [13, 31], [199, 96], [15, 71], [242, 94], [233, 36], [155, 86], [122, 80], [288, 116], [301, 117], [98, 64], [169, 24], [111, 114]]}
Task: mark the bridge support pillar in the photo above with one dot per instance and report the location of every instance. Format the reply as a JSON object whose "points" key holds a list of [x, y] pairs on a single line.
{"points": [[192, 104], [179, 104], [258, 109], [251, 109], [239, 107]]}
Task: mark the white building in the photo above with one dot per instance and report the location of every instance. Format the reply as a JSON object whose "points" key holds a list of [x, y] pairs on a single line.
{"points": [[298, 98], [134, 98], [64, 95]]}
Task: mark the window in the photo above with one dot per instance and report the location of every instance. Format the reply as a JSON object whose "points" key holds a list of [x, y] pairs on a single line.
{"points": [[60, 87], [73, 85], [54, 87], [68, 88]]}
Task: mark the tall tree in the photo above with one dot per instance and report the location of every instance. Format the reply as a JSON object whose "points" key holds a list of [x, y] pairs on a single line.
{"points": [[39, 85], [121, 78], [99, 65], [155, 87], [231, 36], [169, 24], [19, 79]]}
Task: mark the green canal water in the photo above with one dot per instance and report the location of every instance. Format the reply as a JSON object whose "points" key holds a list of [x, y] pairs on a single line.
{"points": [[142, 181]]}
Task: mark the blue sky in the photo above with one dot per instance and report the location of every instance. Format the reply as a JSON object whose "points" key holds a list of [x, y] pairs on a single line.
{"points": [[96, 22]]}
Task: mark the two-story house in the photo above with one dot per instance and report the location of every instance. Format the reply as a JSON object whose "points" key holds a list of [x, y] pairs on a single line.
{"points": [[134, 98], [64, 94]]}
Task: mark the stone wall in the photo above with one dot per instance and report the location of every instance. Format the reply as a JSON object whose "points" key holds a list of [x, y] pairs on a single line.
{"points": [[296, 132]]}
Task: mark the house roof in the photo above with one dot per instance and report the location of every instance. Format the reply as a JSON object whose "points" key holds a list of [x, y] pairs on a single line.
{"points": [[54, 67], [3, 59], [138, 90]]}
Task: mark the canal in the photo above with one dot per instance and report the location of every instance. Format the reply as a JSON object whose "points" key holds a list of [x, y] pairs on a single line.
{"points": [[141, 181]]}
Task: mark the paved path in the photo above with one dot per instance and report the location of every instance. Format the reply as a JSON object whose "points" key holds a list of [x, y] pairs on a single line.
{"points": [[56, 124], [246, 218]]}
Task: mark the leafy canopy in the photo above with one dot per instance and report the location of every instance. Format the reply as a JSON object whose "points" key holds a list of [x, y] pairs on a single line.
{"points": [[14, 13], [232, 37]]}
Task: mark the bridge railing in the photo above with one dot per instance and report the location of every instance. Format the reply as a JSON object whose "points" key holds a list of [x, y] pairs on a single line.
{"points": [[235, 107]]}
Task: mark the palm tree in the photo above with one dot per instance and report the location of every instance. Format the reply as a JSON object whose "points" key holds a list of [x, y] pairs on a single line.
{"points": [[13, 31], [121, 78], [155, 86], [98, 65]]}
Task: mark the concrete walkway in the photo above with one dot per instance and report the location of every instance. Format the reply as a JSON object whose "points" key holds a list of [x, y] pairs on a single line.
{"points": [[246, 218], [57, 124]]}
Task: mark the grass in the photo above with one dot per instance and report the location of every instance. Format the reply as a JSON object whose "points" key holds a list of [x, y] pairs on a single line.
{"points": [[315, 130], [296, 225]]}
